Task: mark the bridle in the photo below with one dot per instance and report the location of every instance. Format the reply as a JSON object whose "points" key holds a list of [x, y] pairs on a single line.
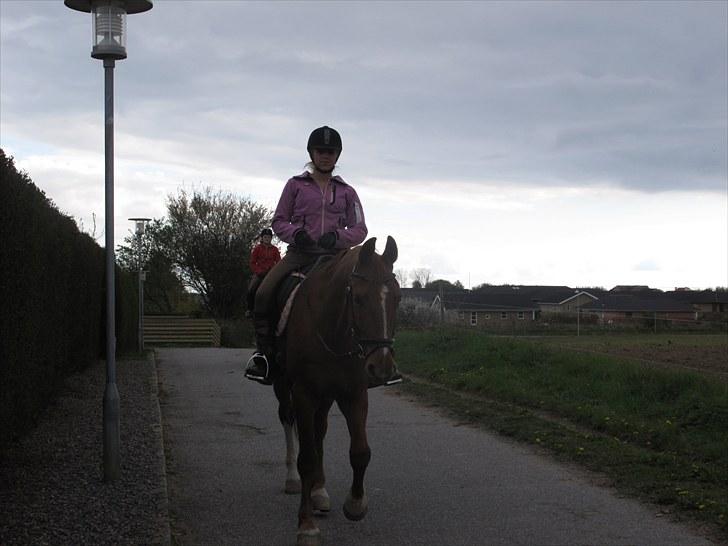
{"points": [[362, 347]]}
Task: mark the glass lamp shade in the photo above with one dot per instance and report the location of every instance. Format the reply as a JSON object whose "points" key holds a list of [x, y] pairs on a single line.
{"points": [[109, 31], [109, 23], [140, 224]]}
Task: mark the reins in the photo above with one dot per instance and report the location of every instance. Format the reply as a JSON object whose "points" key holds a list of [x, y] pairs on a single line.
{"points": [[363, 347]]}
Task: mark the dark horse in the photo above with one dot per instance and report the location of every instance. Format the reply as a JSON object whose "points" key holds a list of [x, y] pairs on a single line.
{"points": [[338, 341]]}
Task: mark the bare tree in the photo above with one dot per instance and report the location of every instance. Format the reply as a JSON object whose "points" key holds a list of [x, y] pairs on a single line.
{"points": [[402, 277], [421, 276]]}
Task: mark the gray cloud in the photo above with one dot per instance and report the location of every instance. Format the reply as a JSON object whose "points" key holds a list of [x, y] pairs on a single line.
{"points": [[624, 94]]}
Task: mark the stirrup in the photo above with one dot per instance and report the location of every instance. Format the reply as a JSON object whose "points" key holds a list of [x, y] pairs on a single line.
{"points": [[253, 362]]}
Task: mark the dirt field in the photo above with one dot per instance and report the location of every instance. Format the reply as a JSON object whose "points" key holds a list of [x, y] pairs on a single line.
{"points": [[707, 354]]}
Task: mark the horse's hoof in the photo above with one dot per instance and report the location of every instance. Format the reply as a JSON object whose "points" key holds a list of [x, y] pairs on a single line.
{"points": [[320, 499], [293, 487], [356, 509], [309, 537]]}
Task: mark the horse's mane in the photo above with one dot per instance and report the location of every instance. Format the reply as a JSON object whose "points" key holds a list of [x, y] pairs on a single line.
{"points": [[337, 268]]}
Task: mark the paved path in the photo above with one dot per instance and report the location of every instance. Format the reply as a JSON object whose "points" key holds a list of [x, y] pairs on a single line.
{"points": [[430, 481]]}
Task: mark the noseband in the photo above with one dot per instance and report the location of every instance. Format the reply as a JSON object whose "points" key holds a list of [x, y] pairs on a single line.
{"points": [[363, 347]]}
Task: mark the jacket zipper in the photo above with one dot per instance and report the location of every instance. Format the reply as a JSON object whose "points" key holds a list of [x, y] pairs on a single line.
{"points": [[323, 207]]}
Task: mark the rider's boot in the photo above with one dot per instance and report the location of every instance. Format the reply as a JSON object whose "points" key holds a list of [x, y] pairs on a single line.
{"points": [[259, 367]]}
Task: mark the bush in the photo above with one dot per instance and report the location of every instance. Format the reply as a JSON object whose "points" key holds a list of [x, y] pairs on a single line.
{"points": [[414, 313], [52, 318]]}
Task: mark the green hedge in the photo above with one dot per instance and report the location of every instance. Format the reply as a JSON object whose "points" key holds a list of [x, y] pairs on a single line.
{"points": [[52, 311]]}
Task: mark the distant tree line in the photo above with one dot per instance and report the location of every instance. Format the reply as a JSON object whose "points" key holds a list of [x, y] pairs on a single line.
{"points": [[421, 277]]}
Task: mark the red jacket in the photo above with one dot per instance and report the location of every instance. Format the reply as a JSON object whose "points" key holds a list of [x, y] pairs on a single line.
{"points": [[263, 258]]}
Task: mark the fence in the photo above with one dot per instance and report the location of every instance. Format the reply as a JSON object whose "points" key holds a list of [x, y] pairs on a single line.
{"points": [[180, 330], [413, 313]]}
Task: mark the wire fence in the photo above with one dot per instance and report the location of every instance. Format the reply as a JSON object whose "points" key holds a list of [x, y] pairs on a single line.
{"points": [[514, 320]]}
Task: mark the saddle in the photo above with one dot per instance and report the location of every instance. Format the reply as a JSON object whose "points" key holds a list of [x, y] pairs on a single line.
{"points": [[287, 290]]}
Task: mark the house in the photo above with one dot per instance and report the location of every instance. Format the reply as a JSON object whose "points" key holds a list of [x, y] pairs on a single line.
{"points": [[480, 308], [626, 306], [500, 306], [549, 299], [703, 301]]}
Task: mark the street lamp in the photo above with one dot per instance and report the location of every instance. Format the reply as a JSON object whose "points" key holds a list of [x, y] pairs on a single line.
{"points": [[140, 225], [109, 27]]}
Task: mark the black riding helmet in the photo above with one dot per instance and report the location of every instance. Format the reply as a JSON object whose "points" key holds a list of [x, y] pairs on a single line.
{"points": [[324, 137]]}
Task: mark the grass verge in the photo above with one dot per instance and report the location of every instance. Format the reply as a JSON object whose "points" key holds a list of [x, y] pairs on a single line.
{"points": [[658, 434]]}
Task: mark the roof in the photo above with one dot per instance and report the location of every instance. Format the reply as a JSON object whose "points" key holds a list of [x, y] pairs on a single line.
{"points": [[634, 289], [698, 296], [538, 294], [637, 303], [478, 301]]}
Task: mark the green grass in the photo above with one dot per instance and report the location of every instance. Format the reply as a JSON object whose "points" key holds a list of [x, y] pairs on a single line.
{"points": [[659, 433], [677, 340]]}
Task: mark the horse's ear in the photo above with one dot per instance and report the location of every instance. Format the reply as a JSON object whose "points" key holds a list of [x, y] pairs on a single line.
{"points": [[367, 251], [390, 251]]}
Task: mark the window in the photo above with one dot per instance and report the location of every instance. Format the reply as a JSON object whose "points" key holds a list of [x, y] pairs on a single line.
{"points": [[461, 315], [520, 315], [473, 318], [504, 315], [487, 316]]}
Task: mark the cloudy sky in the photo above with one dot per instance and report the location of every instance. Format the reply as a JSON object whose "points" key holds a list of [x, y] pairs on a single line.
{"points": [[577, 143]]}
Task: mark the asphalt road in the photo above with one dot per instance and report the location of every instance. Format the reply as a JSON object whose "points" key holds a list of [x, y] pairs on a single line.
{"points": [[430, 481]]}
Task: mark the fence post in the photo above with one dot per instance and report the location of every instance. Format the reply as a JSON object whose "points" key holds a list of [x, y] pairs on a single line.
{"points": [[442, 307]]}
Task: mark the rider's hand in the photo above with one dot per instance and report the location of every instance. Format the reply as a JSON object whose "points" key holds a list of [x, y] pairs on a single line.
{"points": [[327, 240], [302, 238]]}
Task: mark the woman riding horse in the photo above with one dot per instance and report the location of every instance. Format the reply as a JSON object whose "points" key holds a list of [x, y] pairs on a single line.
{"points": [[317, 214]]}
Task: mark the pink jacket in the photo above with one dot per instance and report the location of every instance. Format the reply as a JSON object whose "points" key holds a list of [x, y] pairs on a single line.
{"points": [[304, 206]]}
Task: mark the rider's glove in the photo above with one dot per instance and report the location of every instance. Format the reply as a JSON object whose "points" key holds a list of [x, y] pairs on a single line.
{"points": [[327, 240], [302, 238]]}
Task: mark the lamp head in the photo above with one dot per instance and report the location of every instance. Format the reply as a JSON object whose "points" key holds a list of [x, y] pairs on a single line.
{"points": [[140, 224], [109, 24]]}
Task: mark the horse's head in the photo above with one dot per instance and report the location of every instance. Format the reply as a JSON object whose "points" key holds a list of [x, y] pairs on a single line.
{"points": [[375, 296]]}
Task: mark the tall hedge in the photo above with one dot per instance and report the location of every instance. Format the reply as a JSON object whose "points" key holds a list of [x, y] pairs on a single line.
{"points": [[52, 304]]}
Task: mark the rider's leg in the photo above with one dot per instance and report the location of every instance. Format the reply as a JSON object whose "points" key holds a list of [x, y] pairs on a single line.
{"points": [[259, 365], [250, 296]]}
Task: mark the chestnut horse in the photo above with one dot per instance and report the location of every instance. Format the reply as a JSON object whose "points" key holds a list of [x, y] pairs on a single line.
{"points": [[339, 341]]}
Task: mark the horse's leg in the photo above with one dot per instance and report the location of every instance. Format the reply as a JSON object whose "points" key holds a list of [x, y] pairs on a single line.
{"points": [[285, 415], [319, 495], [355, 411], [293, 480], [305, 411]]}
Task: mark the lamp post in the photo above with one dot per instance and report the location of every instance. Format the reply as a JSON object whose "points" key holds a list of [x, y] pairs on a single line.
{"points": [[109, 45], [140, 226]]}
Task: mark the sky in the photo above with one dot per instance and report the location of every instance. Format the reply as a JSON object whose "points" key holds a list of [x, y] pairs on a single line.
{"points": [[554, 143]]}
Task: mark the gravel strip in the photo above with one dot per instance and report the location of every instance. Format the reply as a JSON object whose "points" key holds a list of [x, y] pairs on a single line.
{"points": [[51, 485]]}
